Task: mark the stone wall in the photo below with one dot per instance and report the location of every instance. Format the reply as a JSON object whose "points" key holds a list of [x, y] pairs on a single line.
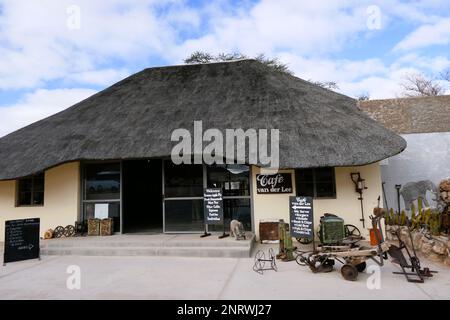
{"points": [[434, 248]]}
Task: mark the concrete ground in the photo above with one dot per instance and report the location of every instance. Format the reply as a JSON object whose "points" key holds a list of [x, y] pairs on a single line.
{"points": [[202, 278]]}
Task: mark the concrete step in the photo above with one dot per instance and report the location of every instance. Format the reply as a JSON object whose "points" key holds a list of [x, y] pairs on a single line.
{"points": [[230, 252]]}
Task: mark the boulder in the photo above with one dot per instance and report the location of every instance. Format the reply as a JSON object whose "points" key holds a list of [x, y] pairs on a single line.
{"points": [[447, 261], [439, 248], [435, 257], [427, 246], [417, 239]]}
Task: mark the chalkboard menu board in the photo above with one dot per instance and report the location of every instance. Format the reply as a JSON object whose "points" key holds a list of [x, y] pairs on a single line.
{"points": [[274, 183], [302, 219], [21, 240], [213, 205]]}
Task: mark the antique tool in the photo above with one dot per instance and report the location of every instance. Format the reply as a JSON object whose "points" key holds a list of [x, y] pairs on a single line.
{"points": [[260, 261], [69, 231], [359, 188], [286, 251], [416, 274], [384, 197], [58, 232], [398, 187], [352, 257]]}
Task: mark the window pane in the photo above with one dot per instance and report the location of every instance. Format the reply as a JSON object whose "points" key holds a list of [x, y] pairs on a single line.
{"points": [[38, 198], [24, 199], [325, 190], [183, 180], [38, 183], [233, 179], [184, 215], [324, 174], [304, 182], [235, 209], [305, 189], [102, 181]]}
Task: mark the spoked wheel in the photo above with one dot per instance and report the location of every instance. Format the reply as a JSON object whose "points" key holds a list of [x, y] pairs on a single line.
{"points": [[69, 231], [259, 263], [300, 259], [272, 260], [304, 240], [351, 231], [361, 267], [349, 272], [59, 232]]}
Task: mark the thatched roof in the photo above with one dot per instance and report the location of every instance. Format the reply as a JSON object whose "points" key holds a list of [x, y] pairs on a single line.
{"points": [[135, 117]]}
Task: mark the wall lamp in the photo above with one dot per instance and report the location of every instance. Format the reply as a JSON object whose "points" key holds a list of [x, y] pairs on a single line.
{"points": [[360, 186]]}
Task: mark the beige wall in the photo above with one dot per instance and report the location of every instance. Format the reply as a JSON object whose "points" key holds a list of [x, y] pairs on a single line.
{"points": [[346, 205], [61, 199]]}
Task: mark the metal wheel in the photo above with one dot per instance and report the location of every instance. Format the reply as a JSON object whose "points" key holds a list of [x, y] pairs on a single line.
{"points": [[351, 231], [304, 240], [259, 264], [361, 267], [273, 259], [69, 231], [59, 232], [349, 272]]}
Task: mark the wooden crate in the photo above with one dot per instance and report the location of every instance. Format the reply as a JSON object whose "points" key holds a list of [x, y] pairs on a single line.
{"points": [[93, 227], [268, 231], [106, 227]]}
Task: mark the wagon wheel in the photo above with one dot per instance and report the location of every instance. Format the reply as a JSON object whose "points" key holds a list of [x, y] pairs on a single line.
{"points": [[351, 231], [259, 263], [300, 259], [361, 266], [59, 232], [272, 260], [349, 272], [69, 231], [304, 240]]}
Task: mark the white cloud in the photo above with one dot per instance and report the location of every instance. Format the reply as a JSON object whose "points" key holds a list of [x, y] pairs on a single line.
{"points": [[427, 35], [38, 105]]}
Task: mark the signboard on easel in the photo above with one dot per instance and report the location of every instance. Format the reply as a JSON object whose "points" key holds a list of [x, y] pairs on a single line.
{"points": [[213, 205], [21, 240], [301, 216]]}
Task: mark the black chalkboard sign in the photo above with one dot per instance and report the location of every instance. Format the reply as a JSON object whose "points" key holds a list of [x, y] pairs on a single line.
{"points": [[21, 240], [302, 218], [274, 183], [213, 205]]}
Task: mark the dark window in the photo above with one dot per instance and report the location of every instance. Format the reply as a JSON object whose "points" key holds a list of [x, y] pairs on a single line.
{"points": [[317, 183], [233, 179], [30, 191], [102, 181], [183, 180]]}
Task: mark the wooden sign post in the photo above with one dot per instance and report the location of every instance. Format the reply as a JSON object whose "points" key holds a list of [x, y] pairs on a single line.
{"points": [[21, 240]]}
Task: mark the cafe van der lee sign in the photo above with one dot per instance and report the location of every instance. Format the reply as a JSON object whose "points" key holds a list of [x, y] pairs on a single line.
{"points": [[274, 183]]}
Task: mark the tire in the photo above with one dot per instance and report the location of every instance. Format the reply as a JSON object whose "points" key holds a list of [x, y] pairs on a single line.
{"points": [[349, 272], [361, 267]]}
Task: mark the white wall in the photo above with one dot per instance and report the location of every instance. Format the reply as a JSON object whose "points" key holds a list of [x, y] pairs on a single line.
{"points": [[427, 157], [346, 205], [61, 199]]}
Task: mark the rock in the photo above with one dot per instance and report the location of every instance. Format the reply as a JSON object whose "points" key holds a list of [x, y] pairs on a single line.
{"points": [[417, 239], [426, 247], [435, 257], [439, 248], [447, 261]]}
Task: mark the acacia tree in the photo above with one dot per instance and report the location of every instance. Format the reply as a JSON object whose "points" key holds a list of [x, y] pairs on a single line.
{"points": [[204, 57], [417, 84]]}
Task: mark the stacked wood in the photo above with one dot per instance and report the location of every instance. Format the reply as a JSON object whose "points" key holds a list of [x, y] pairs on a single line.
{"points": [[48, 234], [93, 227], [106, 227]]}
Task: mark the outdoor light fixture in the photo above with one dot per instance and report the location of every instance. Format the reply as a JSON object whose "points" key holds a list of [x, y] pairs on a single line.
{"points": [[359, 188]]}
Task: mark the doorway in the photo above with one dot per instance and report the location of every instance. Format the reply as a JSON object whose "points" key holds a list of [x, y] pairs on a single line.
{"points": [[142, 196]]}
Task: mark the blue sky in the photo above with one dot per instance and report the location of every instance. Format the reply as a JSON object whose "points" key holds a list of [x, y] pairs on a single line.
{"points": [[58, 52]]}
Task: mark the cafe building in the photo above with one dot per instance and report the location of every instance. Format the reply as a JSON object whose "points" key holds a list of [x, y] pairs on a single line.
{"points": [[110, 155]]}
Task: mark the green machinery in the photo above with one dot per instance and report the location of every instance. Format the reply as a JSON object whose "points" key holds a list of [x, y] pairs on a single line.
{"points": [[331, 229]]}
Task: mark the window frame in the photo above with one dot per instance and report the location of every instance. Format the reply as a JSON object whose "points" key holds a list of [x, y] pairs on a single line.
{"points": [[32, 178], [314, 183]]}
